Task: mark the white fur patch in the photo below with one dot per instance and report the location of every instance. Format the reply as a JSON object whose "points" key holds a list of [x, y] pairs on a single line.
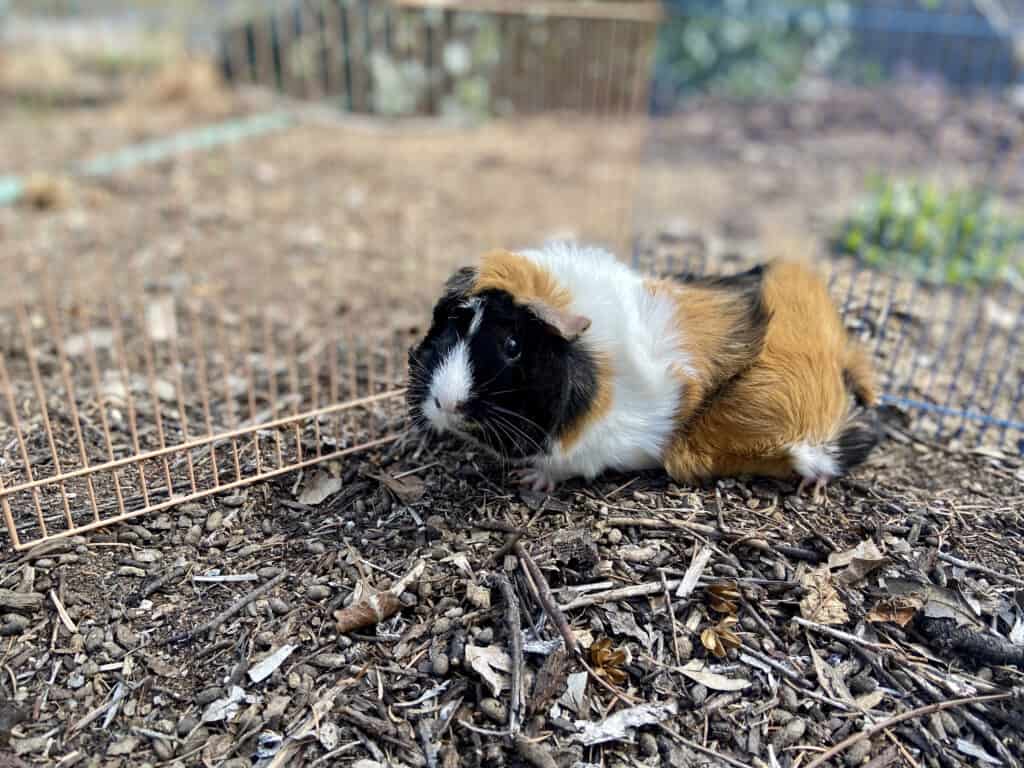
{"points": [[477, 305], [813, 461], [636, 331], [449, 388]]}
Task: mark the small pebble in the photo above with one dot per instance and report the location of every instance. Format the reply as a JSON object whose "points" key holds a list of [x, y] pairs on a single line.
{"points": [[208, 695], [648, 745], [68, 559], [858, 753], [862, 683], [279, 606], [789, 698], [699, 694], [215, 520], [485, 636], [330, 660], [440, 665], [268, 572], [233, 501], [14, 624], [494, 710], [125, 637], [45, 563], [790, 734], [93, 640], [781, 716], [614, 536], [195, 533], [163, 749], [318, 592], [441, 626], [147, 556], [315, 547]]}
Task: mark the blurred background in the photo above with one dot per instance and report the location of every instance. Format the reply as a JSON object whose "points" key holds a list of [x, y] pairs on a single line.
{"points": [[186, 188]]}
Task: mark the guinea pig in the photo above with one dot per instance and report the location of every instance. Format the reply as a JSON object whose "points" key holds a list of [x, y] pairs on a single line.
{"points": [[566, 362]]}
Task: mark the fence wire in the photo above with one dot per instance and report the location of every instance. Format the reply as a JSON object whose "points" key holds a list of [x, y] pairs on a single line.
{"points": [[164, 370]]}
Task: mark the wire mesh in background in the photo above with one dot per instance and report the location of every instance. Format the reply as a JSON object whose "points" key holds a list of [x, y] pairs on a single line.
{"points": [[886, 132], [164, 360]]}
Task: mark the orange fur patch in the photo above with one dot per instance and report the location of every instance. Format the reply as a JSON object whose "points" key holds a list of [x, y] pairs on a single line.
{"points": [[793, 392], [520, 277], [599, 407]]}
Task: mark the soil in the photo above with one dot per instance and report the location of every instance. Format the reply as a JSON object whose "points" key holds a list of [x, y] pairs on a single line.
{"points": [[224, 631]]}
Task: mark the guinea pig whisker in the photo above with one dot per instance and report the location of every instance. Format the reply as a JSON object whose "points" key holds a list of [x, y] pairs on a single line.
{"points": [[510, 436], [483, 387], [503, 392], [509, 412], [514, 430]]}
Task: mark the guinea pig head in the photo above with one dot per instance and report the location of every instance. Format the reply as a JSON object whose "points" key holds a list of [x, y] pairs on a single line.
{"points": [[498, 366]]}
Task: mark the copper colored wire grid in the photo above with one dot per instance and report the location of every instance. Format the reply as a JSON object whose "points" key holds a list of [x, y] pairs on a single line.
{"points": [[182, 437]]}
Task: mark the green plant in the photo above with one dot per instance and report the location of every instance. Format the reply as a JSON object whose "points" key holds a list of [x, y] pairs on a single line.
{"points": [[956, 236], [745, 48]]}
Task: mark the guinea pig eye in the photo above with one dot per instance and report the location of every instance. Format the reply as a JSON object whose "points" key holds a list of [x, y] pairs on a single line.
{"points": [[512, 348]]}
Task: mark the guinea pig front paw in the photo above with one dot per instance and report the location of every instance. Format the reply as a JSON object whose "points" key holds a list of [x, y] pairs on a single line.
{"points": [[535, 479]]}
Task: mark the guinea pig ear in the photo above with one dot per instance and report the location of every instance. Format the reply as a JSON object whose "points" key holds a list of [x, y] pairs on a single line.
{"points": [[460, 283], [569, 326]]}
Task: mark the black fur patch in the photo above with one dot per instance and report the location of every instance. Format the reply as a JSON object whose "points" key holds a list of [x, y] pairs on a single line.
{"points": [[748, 334], [517, 404], [751, 280], [858, 440]]}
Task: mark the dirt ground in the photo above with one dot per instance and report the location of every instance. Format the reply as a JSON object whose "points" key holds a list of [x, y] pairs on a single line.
{"points": [[735, 624]]}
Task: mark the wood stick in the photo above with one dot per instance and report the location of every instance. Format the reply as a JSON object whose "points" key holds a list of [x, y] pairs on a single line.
{"points": [[547, 600], [234, 608], [515, 641], [845, 744], [947, 558]]}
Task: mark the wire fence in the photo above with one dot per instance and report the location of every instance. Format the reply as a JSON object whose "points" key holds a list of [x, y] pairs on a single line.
{"points": [[131, 381]]}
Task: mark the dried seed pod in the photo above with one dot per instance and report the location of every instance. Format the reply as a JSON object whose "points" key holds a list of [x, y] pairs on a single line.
{"points": [[372, 609]]}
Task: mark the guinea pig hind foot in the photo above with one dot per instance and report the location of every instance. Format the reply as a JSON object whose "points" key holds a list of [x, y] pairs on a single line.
{"points": [[819, 494]]}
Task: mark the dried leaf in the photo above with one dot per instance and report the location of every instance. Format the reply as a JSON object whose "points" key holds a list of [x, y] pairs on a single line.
{"points": [[898, 610], [318, 486], [491, 663], [575, 688], [407, 489], [697, 671], [624, 623], [614, 728], [371, 609], [227, 707], [857, 562], [979, 754], [830, 679], [939, 602], [821, 603], [870, 700]]}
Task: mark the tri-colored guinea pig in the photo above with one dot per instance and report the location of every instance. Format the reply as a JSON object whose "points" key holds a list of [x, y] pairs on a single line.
{"points": [[567, 363]]}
